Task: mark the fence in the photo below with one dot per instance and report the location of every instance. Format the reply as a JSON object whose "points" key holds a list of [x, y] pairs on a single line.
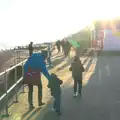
{"points": [[7, 95]]}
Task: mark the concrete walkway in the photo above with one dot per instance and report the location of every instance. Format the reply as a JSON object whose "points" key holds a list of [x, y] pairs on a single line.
{"points": [[100, 99], [101, 94], [20, 110]]}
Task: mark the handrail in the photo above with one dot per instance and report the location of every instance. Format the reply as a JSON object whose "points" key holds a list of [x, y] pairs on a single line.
{"points": [[7, 91], [11, 88], [9, 69]]}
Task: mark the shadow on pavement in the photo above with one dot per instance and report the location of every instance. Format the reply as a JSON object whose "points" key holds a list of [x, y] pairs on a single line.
{"points": [[24, 115], [63, 66], [66, 64], [58, 61], [69, 104], [74, 108], [57, 56], [33, 112], [50, 115]]}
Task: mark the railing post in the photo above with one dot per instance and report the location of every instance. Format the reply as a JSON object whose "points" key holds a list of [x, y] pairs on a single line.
{"points": [[19, 56], [6, 98], [15, 76], [23, 77], [14, 60]]}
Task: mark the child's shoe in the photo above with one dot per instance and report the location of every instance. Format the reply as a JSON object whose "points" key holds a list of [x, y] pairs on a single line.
{"points": [[75, 95], [53, 109], [58, 112]]}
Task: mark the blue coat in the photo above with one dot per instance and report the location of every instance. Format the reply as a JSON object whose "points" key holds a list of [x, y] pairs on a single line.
{"points": [[36, 61]]}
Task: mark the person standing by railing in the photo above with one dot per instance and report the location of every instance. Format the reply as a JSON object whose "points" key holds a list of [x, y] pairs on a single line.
{"points": [[63, 46], [33, 68], [49, 55], [58, 44], [30, 48], [44, 53], [30, 87], [67, 50]]}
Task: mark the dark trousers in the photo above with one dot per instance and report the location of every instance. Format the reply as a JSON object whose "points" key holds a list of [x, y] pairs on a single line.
{"points": [[30, 94], [57, 102], [63, 50], [30, 53], [77, 86]]}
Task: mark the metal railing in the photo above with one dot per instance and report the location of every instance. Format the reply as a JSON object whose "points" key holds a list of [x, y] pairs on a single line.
{"points": [[5, 97]]}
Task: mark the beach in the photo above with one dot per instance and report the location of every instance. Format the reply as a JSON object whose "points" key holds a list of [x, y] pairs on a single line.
{"points": [[7, 58], [4, 57]]}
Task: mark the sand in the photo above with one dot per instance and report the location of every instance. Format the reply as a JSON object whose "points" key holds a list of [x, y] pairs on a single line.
{"points": [[7, 58]]}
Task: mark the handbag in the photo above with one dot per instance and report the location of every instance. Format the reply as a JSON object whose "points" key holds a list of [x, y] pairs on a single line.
{"points": [[32, 77]]}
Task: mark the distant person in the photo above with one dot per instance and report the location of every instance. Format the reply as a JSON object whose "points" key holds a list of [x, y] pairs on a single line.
{"points": [[44, 53], [84, 51], [49, 55], [63, 46], [77, 70], [77, 52], [58, 44], [30, 48], [67, 49], [55, 88]]}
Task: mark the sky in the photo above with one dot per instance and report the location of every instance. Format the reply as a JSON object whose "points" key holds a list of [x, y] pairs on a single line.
{"points": [[22, 21]]}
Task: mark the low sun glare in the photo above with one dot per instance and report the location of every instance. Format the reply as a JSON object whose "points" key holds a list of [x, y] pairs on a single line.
{"points": [[27, 20]]}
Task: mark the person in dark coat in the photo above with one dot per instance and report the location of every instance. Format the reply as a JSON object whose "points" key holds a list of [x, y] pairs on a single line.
{"points": [[63, 46], [44, 53], [31, 89], [54, 85], [77, 70], [30, 48], [58, 44], [68, 47]]}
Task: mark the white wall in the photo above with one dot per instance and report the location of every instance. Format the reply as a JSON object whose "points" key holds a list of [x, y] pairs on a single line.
{"points": [[111, 41]]}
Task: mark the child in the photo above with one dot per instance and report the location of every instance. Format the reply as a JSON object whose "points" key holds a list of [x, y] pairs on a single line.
{"points": [[77, 69], [54, 85]]}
